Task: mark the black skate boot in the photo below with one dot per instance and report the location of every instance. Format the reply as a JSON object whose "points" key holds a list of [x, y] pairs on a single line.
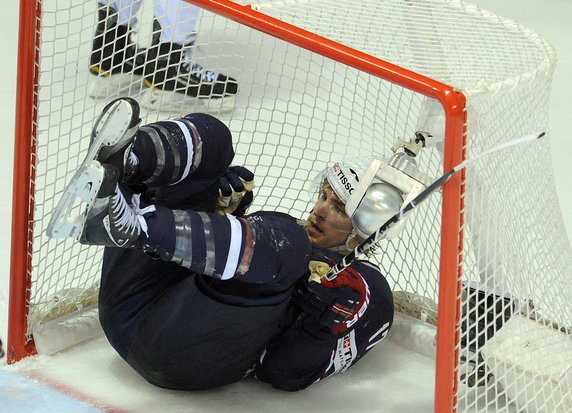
{"points": [[112, 137], [111, 221], [485, 311], [169, 70], [115, 59]]}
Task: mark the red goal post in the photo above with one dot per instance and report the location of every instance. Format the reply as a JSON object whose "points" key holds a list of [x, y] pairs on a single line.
{"points": [[453, 104], [19, 345]]}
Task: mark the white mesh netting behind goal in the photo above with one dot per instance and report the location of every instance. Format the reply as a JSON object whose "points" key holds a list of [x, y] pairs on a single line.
{"points": [[296, 111]]}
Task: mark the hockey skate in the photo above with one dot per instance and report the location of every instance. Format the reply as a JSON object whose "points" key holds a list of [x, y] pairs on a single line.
{"points": [[107, 218], [112, 136], [172, 77], [110, 221], [115, 61], [485, 310]]}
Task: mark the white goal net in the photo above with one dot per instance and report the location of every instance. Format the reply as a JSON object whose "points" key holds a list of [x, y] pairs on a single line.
{"points": [[296, 111]]}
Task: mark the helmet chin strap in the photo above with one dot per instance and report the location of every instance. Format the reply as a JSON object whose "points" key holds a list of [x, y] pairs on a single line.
{"points": [[345, 247], [350, 238]]}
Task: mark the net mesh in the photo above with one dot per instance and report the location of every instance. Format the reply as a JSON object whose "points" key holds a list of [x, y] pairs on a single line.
{"points": [[297, 111]]}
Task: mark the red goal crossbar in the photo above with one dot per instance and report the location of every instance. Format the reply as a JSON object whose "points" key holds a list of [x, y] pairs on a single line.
{"points": [[19, 345], [455, 130]]}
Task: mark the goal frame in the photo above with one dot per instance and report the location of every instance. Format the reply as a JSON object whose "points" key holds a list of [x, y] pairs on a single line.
{"points": [[25, 133], [454, 105]]}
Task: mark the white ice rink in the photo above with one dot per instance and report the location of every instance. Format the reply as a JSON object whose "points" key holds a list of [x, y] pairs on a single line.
{"points": [[91, 377]]}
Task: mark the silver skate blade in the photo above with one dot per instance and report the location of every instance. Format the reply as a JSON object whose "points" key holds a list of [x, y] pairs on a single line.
{"points": [[169, 101], [113, 123], [110, 128], [70, 214], [124, 84]]}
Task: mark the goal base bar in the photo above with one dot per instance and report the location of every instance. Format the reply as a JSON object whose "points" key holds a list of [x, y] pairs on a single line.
{"points": [[532, 363], [67, 331]]}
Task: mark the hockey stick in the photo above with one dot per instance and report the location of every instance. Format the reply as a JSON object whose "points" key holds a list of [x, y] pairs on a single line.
{"points": [[373, 238]]}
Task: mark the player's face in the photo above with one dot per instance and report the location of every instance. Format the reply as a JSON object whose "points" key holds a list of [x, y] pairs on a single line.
{"points": [[329, 225]]}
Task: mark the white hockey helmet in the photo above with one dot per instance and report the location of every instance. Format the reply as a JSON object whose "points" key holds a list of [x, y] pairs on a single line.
{"points": [[374, 190], [380, 202]]}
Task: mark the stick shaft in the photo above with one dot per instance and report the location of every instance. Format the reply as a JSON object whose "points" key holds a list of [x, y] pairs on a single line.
{"points": [[406, 210]]}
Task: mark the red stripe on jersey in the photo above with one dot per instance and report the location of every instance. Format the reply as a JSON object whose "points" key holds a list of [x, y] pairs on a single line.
{"points": [[244, 265]]}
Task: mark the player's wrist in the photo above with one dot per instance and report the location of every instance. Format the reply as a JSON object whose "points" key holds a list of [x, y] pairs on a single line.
{"points": [[332, 307]]}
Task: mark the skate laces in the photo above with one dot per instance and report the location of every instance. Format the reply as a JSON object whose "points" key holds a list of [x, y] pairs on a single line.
{"points": [[130, 219], [199, 71], [196, 69], [132, 160]]}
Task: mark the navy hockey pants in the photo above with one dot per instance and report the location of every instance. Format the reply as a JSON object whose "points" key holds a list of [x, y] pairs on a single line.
{"points": [[180, 329]]}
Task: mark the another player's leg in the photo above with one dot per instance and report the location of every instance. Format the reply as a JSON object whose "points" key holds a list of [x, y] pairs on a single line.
{"points": [[485, 311], [173, 73], [115, 60]]}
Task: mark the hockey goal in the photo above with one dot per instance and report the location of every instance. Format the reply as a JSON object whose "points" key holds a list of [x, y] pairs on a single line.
{"points": [[487, 261]]}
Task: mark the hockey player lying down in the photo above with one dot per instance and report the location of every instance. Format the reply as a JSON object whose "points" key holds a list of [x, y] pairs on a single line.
{"points": [[196, 293]]}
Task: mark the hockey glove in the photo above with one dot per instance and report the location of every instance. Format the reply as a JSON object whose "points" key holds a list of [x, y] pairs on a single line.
{"points": [[235, 191], [335, 304]]}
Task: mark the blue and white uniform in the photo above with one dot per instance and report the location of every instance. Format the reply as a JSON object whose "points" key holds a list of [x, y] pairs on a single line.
{"points": [[205, 299], [178, 19]]}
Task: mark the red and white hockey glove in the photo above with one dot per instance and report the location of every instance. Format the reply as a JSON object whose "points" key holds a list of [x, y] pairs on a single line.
{"points": [[335, 304]]}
